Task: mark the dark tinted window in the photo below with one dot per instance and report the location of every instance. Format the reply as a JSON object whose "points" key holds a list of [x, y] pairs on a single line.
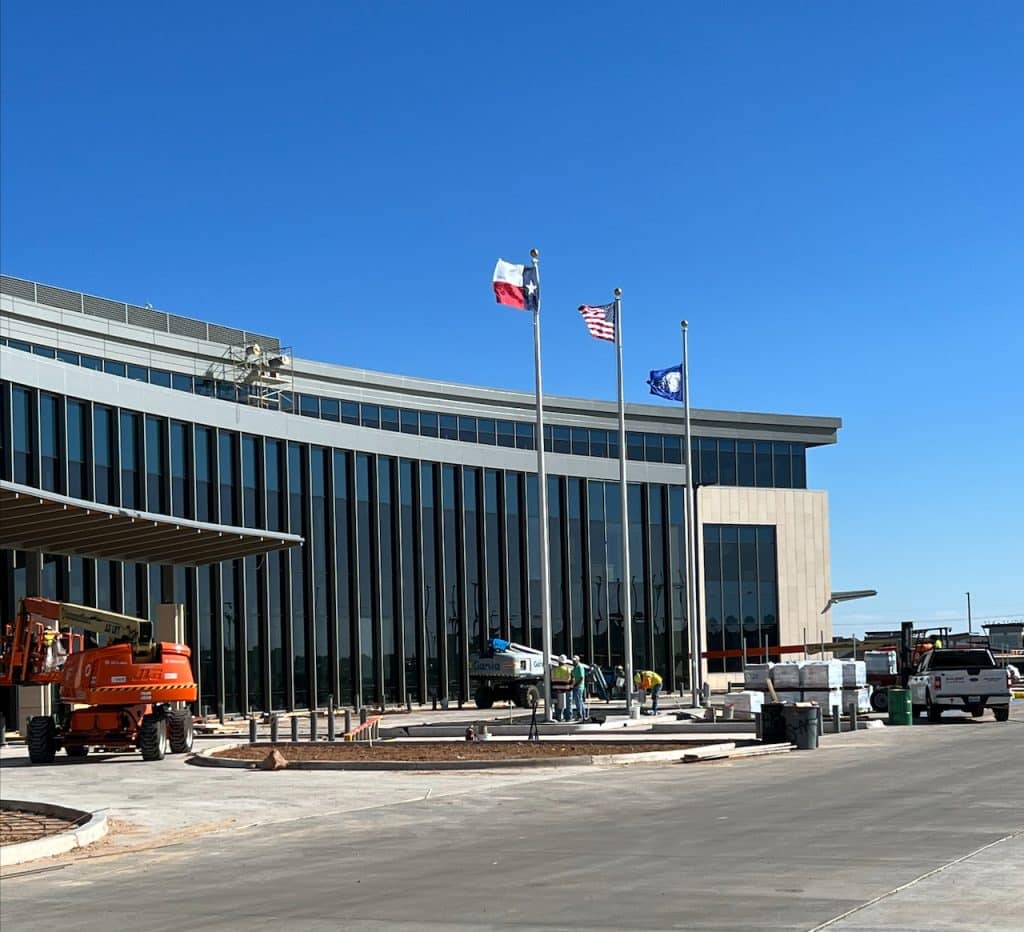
{"points": [[580, 441], [599, 443], [92, 362], [138, 373], [634, 446], [449, 426], [486, 431], [467, 429], [370, 415], [561, 440], [160, 377], [524, 436], [763, 463], [44, 351], [113, 367], [226, 391], [727, 462], [183, 383], [204, 386], [428, 424], [349, 412], [959, 659], [410, 422], [389, 418], [67, 356], [673, 449], [20, 345], [330, 409], [506, 434], [309, 406], [745, 462], [654, 450]]}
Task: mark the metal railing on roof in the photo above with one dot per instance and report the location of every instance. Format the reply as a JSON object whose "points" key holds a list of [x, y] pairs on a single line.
{"points": [[130, 314]]}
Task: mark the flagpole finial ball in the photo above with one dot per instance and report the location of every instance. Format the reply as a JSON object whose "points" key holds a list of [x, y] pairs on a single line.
{"points": [[684, 324], [618, 292], [534, 253]]}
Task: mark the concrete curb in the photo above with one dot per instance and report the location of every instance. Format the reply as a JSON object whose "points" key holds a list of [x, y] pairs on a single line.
{"points": [[93, 829], [206, 759]]}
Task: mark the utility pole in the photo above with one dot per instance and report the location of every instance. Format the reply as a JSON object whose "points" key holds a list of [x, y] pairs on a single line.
{"points": [[970, 624]]}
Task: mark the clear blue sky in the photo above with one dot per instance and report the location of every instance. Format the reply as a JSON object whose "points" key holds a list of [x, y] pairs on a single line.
{"points": [[830, 192]]}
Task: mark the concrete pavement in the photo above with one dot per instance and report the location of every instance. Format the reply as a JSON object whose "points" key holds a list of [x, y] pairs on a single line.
{"points": [[784, 843]]}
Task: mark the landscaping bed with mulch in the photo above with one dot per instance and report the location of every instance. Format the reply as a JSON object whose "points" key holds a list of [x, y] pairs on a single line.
{"points": [[17, 827], [438, 751]]}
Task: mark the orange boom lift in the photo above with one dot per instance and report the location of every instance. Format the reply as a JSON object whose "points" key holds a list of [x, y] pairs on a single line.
{"points": [[125, 695]]}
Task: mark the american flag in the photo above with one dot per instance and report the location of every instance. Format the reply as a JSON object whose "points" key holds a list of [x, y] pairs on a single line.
{"points": [[600, 320]]}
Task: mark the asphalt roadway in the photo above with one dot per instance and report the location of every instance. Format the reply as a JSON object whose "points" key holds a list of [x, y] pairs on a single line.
{"points": [[802, 841]]}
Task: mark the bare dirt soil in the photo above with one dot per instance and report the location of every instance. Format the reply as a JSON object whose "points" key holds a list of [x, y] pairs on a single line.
{"points": [[433, 751]]}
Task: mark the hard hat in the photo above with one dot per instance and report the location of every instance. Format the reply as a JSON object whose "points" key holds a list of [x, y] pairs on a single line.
{"points": [[562, 658]]}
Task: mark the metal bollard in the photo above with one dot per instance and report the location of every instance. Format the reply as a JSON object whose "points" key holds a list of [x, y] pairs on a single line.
{"points": [[3, 730], [332, 734], [252, 731], [363, 716], [220, 712], [312, 724], [758, 733], [837, 719], [435, 702], [348, 720], [273, 729], [295, 729], [853, 717], [408, 702]]}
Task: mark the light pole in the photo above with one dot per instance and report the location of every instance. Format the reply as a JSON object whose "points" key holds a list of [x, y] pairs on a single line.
{"points": [[970, 624]]}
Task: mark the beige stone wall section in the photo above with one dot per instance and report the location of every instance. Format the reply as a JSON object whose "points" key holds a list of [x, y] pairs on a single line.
{"points": [[800, 517]]}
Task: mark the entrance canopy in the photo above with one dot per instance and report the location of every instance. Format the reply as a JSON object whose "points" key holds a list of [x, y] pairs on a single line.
{"points": [[32, 519]]}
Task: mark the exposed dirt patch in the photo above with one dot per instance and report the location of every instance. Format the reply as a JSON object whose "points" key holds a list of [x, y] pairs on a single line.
{"points": [[433, 751]]}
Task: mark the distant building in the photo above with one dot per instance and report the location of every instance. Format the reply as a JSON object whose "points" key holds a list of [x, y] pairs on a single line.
{"points": [[1006, 635]]}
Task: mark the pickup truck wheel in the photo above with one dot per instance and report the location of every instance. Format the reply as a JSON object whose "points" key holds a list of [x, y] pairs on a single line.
{"points": [[978, 713], [483, 697], [918, 710], [934, 713], [1002, 713], [880, 700]]}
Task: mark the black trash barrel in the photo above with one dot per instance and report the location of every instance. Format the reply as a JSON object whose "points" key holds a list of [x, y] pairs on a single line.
{"points": [[773, 724], [802, 727]]}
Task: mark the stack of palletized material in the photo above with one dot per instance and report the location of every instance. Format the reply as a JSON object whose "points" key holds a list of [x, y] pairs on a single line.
{"points": [[855, 673], [859, 696], [855, 686], [881, 662], [822, 682], [756, 675], [787, 675], [748, 701]]}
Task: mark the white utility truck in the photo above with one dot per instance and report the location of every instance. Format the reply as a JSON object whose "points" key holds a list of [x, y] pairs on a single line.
{"points": [[960, 678], [507, 671]]}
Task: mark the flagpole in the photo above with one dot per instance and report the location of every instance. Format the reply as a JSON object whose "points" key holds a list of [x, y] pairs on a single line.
{"points": [[542, 500], [626, 586], [693, 627]]}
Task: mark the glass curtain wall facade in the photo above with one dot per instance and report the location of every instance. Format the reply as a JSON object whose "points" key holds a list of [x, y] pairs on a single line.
{"points": [[409, 565]]}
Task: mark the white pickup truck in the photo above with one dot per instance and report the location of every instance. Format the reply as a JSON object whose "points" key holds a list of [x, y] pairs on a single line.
{"points": [[967, 679]]}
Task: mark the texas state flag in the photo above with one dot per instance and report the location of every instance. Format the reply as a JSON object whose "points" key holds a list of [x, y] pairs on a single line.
{"points": [[516, 285]]}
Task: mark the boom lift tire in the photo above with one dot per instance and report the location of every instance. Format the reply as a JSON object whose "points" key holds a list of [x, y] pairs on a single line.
{"points": [[483, 697], [528, 697], [76, 750], [153, 740], [42, 739], [179, 730], [1002, 713]]}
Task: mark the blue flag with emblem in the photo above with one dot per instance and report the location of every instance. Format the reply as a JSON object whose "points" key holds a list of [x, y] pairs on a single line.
{"points": [[667, 383]]}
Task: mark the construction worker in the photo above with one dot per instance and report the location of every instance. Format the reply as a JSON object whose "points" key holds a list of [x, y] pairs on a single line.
{"points": [[561, 686], [579, 686], [649, 682]]}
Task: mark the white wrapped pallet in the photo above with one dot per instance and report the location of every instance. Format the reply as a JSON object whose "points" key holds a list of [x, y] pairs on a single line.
{"points": [[859, 696], [749, 701], [881, 662], [787, 675], [855, 673], [756, 675], [822, 674], [827, 699]]}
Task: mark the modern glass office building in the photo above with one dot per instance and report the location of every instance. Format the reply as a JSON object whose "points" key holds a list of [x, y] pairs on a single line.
{"points": [[417, 502]]}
